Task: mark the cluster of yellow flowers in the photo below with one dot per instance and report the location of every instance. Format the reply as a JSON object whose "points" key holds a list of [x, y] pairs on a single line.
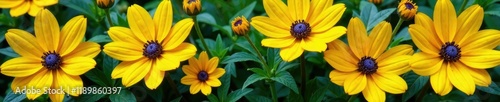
{"points": [[453, 51]]}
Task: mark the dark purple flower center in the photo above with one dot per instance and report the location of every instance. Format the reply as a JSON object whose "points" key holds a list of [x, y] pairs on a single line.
{"points": [[51, 60], [300, 29], [152, 49], [450, 52], [367, 65], [238, 22], [409, 6], [203, 76]]}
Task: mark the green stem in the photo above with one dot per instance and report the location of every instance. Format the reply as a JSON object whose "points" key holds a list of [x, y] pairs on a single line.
{"points": [[400, 22], [421, 94], [261, 58], [198, 31], [463, 6], [172, 84], [303, 73], [109, 18], [273, 91]]}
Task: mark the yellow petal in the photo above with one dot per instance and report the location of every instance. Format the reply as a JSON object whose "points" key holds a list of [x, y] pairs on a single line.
{"points": [[47, 31], [163, 19], [469, 22], [140, 22], [136, 74], [195, 88], [426, 22], [213, 82], [484, 39], [45, 2], [65, 81], [10, 3], [85, 49], [389, 82], [395, 65], [380, 37], [340, 57], [212, 65], [440, 82], [317, 7], [217, 73], [481, 59], [203, 60], [445, 20], [126, 35], [277, 11], [189, 71], [20, 9], [20, 82], [78, 65], [206, 89], [291, 53], [189, 80], [329, 35], [182, 52], [372, 93], [41, 80], [357, 38], [177, 34], [124, 51], [195, 64], [423, 39], [481, 77], [460, 78], [35, 9], [299, 9], [72, 34], [122, 68], [355, 84], [278, 42], [273, 30], [339, 77], [313, 46], [327, 18], [166, 63], [56, 97], [154, 78], [403, 49], [21, 67], [425, 64], [24, 44]]}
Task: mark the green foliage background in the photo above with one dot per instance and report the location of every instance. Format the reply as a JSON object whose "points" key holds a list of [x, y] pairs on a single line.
{"points": [[245, 80]]}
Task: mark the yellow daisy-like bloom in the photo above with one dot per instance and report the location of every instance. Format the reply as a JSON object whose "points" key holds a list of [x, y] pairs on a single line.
{"points": [[105, 4], [53, 59], [20, 7], [150, 46], [376, 1], [202, 74], [192, 7], [453, 50], [407, 9], [303, 25], [240, 25], [363, 66]]}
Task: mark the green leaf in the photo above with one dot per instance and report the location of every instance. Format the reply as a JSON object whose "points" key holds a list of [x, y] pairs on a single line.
{"points": [[492, 89], [8, 52], [416, 83], [379, 17], [86, 7], [231, 69], [239, 57], [236, 95], [404, 35], [285, 66], [178, 99], [257, 98], [318, 95], [246, 46], [212, 98], [220, 48], [294, 97], [223, 89], [367, 10], [286, 79], [100, 39], [252, 79], [245, 11], [108, 65], [97, 76], [89, 97], [123, 96], [258, 71], [156, 94], [12, 97]]}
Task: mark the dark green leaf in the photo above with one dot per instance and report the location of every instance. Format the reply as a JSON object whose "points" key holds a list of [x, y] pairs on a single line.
{"points": [[108, 65], [285, 66], [295, 97], [416, 83], [404, 35], [220, 47], [492, 89], [89, 97], [100, 39], [286, 79], [379, 17], [239, 57], [258, 71], [252, 79], [123, 96], [224, 88], [236, 95], [178, 99], [257, 98], [368, 10], [231, 69], [84, 6], [212, 98], [318, 95], [8, 52], [245, 11], [12, 97], [98, 77]]}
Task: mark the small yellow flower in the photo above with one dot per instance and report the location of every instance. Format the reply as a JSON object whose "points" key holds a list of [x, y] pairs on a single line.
{"points": [[105, 4], [202, 74], [407, 9], [192, 7], [53, 59], [365, 65], [376, 1], [150, 46], [240, 25], [454, 52], [20, 7]]}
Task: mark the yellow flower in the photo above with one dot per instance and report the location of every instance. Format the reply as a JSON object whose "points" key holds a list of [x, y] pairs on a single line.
{"points": [[150, 46], [453, 50], [376, 1], [407, 9], [240, 25], [364, 67], [53, 59], [202, 74], [20, 7], [303, 25], [105, 4], [191, 7]]}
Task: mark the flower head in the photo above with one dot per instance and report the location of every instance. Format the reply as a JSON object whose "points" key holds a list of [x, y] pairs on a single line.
{"points": [[105, 4], [407, 9], [191, 7], [240, 25], [53, 59], [376, 1], [20, 7], [453, 50], [364, 66], [302, 25], [202, 74], [150, 46]]}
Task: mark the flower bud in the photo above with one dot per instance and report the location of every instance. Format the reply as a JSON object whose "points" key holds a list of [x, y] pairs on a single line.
{"points": [[191, 7], [240, 25], [407, 9], [105, 4], [376, 1]]}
